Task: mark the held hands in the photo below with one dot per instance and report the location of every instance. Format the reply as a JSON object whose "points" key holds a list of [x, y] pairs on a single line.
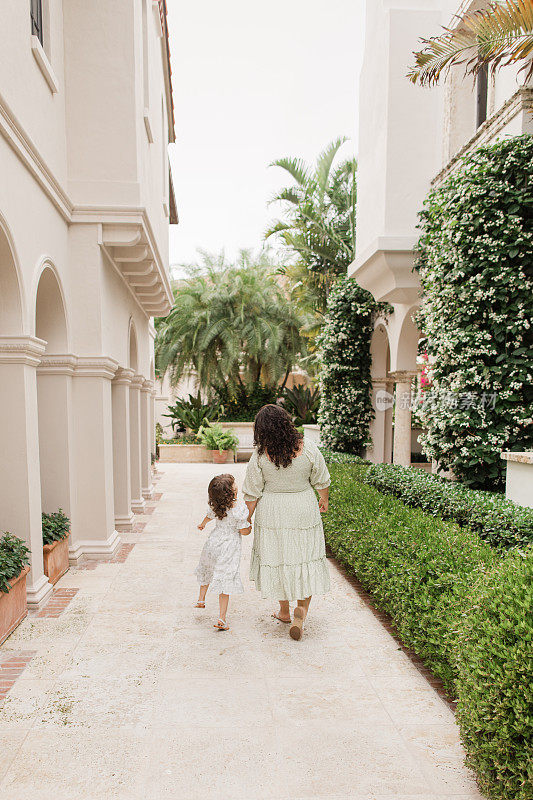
{"points": [[201, 526], [323, 505], [245, 531]]}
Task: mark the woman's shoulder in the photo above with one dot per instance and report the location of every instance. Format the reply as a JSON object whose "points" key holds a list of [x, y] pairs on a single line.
{"points": [[310, 448]]}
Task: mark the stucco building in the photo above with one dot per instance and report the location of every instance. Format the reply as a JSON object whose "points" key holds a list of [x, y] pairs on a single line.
{"points": [[410, 139], [85, 203]]}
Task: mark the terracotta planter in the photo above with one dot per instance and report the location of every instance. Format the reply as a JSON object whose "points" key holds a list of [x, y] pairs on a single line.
{"points": [[55, 559], [222, 457], [13, 606]]}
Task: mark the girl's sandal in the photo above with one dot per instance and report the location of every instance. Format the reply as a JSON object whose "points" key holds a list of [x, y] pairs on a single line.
{"points": [[296, 628], [279, 619], [221, 625], [200, 604]]}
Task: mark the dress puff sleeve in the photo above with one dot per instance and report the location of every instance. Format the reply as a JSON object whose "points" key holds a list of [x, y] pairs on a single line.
{"points": [[253, 482], [240, 512], [319, 477]]}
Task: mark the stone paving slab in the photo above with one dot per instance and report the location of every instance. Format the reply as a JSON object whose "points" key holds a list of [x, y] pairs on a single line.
{"points": [[131, 694]]}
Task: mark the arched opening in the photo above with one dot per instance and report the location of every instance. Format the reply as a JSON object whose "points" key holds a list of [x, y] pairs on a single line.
{"points": [[382, 396], [54, 394], [10, 294], [405, 439], [132, 348]]}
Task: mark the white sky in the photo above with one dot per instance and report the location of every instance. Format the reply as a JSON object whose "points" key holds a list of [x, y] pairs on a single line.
{"points": [[254, 81]]}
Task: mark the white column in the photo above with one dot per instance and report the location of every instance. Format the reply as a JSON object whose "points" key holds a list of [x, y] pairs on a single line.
{"points": [[402, 419], [152, 420], [137, 501], [146, 440], [381, 426], [54, 398], [95, 535], [20, 482], [120, 393]]}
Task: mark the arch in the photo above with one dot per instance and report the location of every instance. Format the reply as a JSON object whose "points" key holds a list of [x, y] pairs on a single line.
{"points": [[50, 311], [133, 350], [407, 345], [11, 292], [380, 350]]}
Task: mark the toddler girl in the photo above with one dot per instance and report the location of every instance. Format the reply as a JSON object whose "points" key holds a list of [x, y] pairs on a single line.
{"points": [[220, 561]]}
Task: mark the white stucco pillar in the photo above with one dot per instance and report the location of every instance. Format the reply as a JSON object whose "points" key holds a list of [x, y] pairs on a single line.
{"points": [[402, 419], [380, 429], [120, 394], [137, 501], [54, 396], [95, 535], [152, 420], [20, 482], [146, 439]]}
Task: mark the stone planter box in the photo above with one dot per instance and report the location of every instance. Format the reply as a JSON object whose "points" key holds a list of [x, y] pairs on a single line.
{"points": [[244, 431], [13, 606], [55, 559], [184, 454], [312, 433], [519, 478]]}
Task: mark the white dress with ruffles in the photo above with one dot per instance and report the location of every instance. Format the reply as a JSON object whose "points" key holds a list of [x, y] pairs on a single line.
{"points": [[289, 553], [220, 561]]}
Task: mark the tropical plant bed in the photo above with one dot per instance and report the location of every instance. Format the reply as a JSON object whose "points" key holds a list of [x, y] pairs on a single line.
{"points": [[184, 454], [460, 604]]}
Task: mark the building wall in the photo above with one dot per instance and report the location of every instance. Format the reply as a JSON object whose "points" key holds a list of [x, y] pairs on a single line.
{"points": [[84, 211]]}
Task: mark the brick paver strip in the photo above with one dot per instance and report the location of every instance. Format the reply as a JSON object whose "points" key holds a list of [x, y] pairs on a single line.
{"points": [[157, 496], [138, 527], [57, 604], [119, 558], [12, 665]]}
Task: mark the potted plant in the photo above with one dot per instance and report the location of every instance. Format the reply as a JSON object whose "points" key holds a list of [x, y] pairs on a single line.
{"points": [[56, 529], [222, 442], [13, 570]]}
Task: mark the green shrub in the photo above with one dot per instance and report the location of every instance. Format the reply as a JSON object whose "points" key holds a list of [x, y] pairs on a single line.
{"points": [[502, 523], [345, 410], [13, 557], [475, 257], [215, 437], [241, 403], [419, 569], [333, 457], [56, 526], [192, 413], [302, 403], [494, 662]]}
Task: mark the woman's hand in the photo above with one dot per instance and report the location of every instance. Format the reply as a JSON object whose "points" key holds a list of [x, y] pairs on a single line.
{"points": [[323, 502], [245, 531]]}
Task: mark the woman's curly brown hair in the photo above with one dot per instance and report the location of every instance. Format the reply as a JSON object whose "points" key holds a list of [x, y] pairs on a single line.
{"points": [[275, 434], [221, 494]]}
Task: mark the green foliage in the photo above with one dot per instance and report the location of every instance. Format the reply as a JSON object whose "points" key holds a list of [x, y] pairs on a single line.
{"points": [[345, 385], [461, 606], [192, 413], [242, 402], [494, 662], [56, 526], [302, 403], [502, 523], [230, 324], [215, 437], [419, 569], [13, 558], [318, 223], [158, 433], [333, 457], [475, 256]]}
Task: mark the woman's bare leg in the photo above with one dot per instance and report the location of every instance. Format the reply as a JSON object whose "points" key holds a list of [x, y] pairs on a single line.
{"points": [[300, 613], [305, 605], [284, 611]]}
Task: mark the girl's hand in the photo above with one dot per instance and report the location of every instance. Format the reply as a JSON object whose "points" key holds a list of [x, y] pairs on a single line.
{"points": [[201, 526], [245, 531], [323, 505]]}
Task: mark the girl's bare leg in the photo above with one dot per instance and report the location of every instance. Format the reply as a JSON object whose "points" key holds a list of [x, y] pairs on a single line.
{"points": [[305, 605], [203, 592], [223, 600], [300, 613]]}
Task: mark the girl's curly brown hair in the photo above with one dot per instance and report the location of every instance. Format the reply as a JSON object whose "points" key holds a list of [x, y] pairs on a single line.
{"points": [[221, 494], [275, 434]]}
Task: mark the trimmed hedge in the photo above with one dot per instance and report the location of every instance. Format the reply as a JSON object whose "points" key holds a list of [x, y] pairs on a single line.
{"points": [[419, 569], [334, 457], [460, 605], [494, 662], [498, 521]]}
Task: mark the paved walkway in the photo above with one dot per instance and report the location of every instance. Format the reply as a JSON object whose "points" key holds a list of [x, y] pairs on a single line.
{"points": [[128, 693]]}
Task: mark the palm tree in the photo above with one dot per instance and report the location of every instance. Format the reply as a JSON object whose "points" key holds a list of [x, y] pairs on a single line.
{"points": [[496, 36], [230, 324], [318, 223]]}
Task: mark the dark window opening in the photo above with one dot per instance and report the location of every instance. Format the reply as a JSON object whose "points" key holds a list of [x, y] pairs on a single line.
{"points": [[482, 92], [36, 16]]}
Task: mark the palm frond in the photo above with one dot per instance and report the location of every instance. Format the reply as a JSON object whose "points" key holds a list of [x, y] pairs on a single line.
{"points": [[499, 35], [325, 160], [296, 167]]}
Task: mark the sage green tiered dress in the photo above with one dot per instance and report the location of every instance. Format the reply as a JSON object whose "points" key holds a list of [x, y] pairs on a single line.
{"points": [[289, 554]]}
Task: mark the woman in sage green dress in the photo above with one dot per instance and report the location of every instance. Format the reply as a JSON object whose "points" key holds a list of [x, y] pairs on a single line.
{"points": [[289, 554]]}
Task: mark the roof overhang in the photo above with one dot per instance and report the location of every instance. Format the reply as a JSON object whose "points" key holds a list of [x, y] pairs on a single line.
{"points": [[385, 269], [167, 69]]}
